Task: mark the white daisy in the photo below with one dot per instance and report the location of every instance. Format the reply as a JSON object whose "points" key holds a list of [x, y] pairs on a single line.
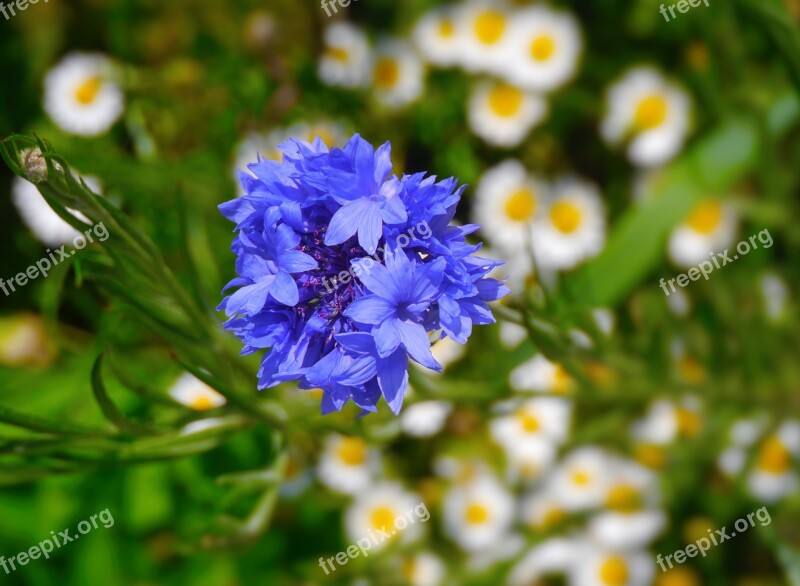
{"points": [[542, 511], [24, 341], [385, 507], [346, 59], [507, 547], [600, 566], [396, 74], [529, 460], [773, 475], [572, 228], [507, 200], [775, 293], [583, 478], [512, 335], [81, 96], [502, 114], [540, 375], [437, 37], [425, 419], [347, 464], [190, 391], [710, 228], [424, 569], [39, 217], [541, 419], [478, 514], [649, 113], [679, 302], [665, 421], [546, 558], [483, 31], [627, 530], [545, 45]]}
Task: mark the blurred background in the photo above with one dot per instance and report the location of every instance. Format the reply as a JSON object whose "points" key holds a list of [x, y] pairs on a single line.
{"points": [[608, 417]]}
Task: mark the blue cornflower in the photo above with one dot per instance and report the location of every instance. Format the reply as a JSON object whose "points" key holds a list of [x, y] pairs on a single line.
{"points": [[345, 272]]}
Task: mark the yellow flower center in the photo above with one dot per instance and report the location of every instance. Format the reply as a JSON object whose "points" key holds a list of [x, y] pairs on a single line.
{"points": [[691, 370], [689, 422], [650, 113], [614, 571], [650, 455], [505, 100], [554, 516], [446, 28], [88, 90], [562, 381], [202, 403], [521, 206], [623, 498], [773, 457], [678, 577], [338, 54], [387, 72], [382, 518], [490, 26], [542, 48], [352, 451], [528, 421], [706, 217], [476, 514], [566, 216], [581, 477], [697, 527]]}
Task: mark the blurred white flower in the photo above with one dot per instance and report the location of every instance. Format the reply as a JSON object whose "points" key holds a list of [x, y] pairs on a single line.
{"points": [[346, 59], [648, 113], [502, 114], [546, 558], [438, 38], [710, 228], [483, 27], [81, 96], [545, 46], [425, 419], [572, 227], [347, 464], [396, 74], [190, 391], [385, 507], [540, 375], [598, 565], [478, 514]]}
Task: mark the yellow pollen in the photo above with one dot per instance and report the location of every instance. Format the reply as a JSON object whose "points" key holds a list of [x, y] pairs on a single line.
{"points": [[623, 498], [446, 28], [542, 48], [88, 90], [382, 518], [476, 514], [490, 26], [528, 421], [614, 571], [202, 403], [566, 216], [338, 53], [521, 206], [581, 478], [706, 217], [352, 451], [387, 72], [773, 457], [650, 113], [505, 100]]}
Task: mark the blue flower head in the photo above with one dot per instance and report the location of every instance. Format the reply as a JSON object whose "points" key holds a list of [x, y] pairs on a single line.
{"points": [[346, 272]]}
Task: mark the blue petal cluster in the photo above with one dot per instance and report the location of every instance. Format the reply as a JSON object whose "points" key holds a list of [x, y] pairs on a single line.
{"points": [[345, 271]]}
